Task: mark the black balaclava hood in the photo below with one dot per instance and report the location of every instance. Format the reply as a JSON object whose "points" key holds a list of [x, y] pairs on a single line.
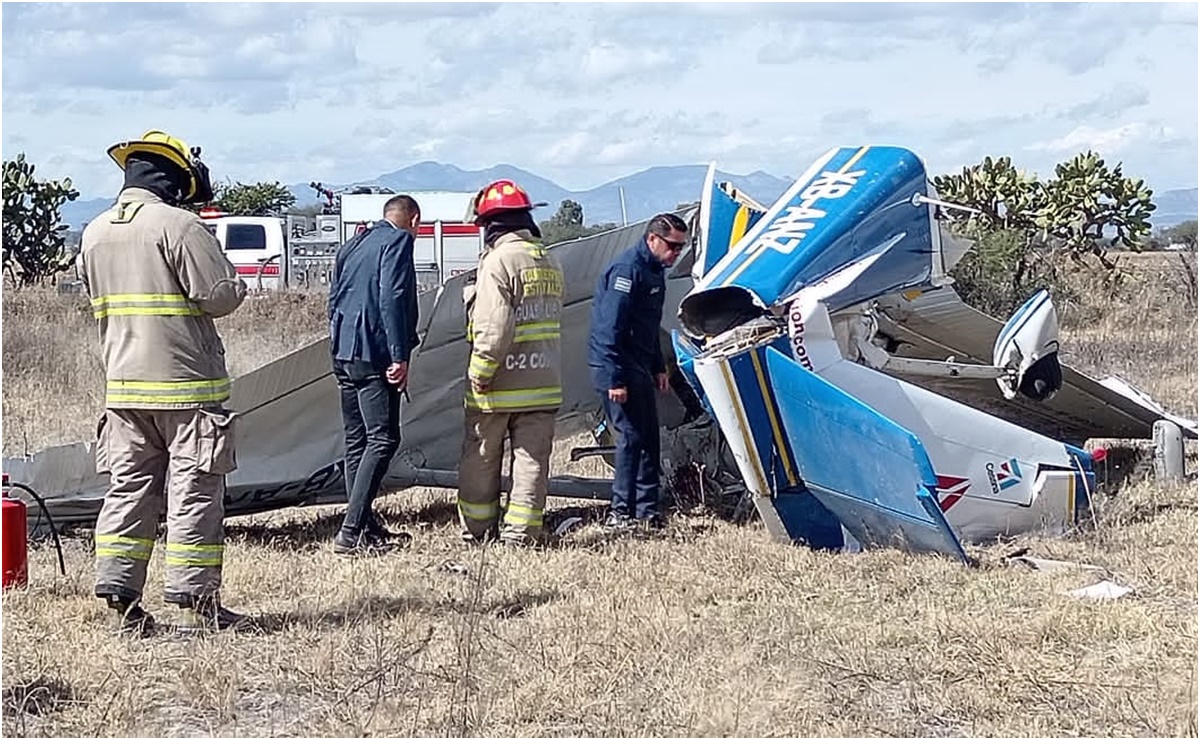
{"points": [[157, 174], [506, 222]]}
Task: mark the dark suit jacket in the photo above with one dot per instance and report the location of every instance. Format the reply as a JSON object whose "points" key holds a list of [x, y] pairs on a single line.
{"points": [[373, 298]]}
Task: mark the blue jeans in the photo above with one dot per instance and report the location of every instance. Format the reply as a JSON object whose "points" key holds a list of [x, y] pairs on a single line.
{"points": [[371, 416], [635, 490]]}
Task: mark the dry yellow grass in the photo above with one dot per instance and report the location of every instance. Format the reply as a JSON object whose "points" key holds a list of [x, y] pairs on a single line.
{"points": [[54, 376], [710, 629]]}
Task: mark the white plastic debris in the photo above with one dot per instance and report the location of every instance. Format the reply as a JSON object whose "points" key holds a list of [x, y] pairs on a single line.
{"points": [[449, 566], [1104, 590], [1049, 564]]}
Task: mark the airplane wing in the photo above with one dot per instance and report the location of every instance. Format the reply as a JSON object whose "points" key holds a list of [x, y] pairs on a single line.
{"points": [[289, 429], [937, 324]]}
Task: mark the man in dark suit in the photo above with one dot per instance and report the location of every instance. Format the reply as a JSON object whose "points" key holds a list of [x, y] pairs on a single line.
{"points": [[372, 333]]}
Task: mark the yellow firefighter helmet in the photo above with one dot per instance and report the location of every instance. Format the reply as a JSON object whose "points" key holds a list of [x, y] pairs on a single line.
{"points": [[176, 151]]}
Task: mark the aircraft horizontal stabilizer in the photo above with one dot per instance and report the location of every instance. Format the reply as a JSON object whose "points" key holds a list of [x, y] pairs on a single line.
{"points": [[873, 474]]}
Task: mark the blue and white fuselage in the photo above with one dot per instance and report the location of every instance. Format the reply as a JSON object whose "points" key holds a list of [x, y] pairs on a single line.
{"points": [[835, 448]]}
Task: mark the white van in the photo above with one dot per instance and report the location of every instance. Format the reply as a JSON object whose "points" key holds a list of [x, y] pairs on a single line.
{"points": [[254, 245]]}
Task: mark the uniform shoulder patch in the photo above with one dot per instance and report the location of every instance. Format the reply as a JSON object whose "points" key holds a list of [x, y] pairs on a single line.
{"points": [[623, 284]]}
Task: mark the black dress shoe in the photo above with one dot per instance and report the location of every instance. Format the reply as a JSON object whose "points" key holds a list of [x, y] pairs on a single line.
{"points": [[365, 544]]}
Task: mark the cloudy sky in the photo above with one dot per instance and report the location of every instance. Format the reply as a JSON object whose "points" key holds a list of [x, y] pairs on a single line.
{"points": [[584, 93]]}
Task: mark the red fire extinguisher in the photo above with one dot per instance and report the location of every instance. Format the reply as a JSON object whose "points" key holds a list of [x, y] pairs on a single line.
{"points": [[15, 552], [14, 534]]}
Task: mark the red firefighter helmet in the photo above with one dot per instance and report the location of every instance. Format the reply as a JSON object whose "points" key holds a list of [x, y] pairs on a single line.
{"points": [[501, 195]]}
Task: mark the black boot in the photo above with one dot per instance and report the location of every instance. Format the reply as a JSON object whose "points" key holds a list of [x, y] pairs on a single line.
{"points": [[364, 543], [616, 523], [205, 614], [129, 618]]}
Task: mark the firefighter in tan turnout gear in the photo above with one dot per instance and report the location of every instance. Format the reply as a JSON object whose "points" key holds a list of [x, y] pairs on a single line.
{"points": [[514, 386], [157, 278]]}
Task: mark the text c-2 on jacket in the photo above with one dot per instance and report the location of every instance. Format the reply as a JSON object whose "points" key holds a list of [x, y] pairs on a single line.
{"points": [[373, 298], [623, 346]]}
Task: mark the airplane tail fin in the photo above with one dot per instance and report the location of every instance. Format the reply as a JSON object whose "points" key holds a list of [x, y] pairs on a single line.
{"points": [[725, 217]]}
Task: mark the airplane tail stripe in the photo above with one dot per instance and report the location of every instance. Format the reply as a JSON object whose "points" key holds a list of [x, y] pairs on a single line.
{"points": [[773, 417], [744, 427], [739, 224]]}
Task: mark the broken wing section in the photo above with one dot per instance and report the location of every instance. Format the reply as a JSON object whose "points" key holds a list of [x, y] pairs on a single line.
{"points": [[736, 388], [937, 324], [433, 419], [994, 478]]}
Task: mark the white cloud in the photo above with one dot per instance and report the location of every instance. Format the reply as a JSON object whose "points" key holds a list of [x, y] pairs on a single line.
{"points": [[568, 150], [625, 152], [585, 92], [375, 128], [1106, 141], [608, 62], [427, 149]]}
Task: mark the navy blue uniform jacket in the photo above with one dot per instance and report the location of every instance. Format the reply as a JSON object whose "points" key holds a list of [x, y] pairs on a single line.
{"points": [[373, 298], [623, 346]]}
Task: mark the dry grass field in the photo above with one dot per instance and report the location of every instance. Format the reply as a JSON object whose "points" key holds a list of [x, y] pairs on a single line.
{"points": [[708, 629]]}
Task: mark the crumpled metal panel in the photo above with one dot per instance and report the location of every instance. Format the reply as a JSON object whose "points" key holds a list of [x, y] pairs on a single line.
{"points": [[937, 324]]}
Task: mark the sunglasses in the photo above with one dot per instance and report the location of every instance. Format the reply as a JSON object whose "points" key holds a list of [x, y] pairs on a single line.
{"points": [[673, 246]]}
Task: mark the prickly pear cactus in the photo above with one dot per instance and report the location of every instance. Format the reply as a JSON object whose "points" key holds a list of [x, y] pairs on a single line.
{"points": [[34, 238], [1006, 198], [1091, 207]]}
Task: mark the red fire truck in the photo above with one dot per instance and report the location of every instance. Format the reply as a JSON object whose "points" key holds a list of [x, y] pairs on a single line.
{"points": [[298, 251]]}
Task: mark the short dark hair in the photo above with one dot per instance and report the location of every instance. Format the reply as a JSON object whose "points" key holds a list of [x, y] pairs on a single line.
{"points": [[404, 203], [664, 223]]}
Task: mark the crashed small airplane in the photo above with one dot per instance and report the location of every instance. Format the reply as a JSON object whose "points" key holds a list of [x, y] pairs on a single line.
{"points": [[823, 365]]}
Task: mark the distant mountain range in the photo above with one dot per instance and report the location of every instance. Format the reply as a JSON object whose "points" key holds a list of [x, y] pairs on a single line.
{"points": [[1174, 207], [646, 192]]}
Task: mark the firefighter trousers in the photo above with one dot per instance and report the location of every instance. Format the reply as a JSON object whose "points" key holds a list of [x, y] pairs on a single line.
{"points": [[163, 461], [531, 437]]}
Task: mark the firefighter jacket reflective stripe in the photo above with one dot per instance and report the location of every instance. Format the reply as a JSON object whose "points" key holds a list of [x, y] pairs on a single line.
{"points": [[627, 307], [157, 278], [513, 326]]}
